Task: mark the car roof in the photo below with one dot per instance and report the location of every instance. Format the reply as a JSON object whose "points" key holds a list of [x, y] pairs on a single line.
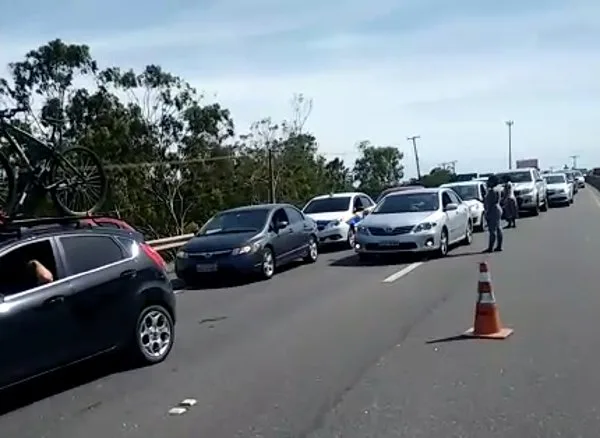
{"points": [[338, 195], [462, 183], [423, 190], [255, 207], [526, 169], [10, 236]]}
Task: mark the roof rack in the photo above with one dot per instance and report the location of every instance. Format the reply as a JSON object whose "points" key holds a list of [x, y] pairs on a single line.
{"points": [[17, 227]]}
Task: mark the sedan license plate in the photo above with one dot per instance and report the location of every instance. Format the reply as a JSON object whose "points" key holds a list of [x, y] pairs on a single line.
{"points": [[388, 243], [206, 268]]}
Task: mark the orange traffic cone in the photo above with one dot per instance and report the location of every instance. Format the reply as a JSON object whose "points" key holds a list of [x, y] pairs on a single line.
{"points": [[487, 318]]}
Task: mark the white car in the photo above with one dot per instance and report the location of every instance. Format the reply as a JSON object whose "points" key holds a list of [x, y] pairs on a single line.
{"points": [[472, 194], [425, 220], [558, 188], [337, 214]]}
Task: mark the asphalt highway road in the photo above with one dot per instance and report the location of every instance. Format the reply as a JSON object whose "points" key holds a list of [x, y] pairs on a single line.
{"points": [[335, 350]]}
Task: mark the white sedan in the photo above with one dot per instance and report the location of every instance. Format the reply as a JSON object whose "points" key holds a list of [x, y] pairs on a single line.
{"points": [[472, 194]]}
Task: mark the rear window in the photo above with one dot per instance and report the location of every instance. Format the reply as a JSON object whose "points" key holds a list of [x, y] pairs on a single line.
{"points": [[555, 179], [86, 253]]}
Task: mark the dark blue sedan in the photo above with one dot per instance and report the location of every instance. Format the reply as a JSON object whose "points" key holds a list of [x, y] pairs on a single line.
{"points": [[252, 239]]}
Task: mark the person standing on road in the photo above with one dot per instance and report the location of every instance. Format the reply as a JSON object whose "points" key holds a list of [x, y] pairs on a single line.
{"points": [[493, 214], [509, 205]]}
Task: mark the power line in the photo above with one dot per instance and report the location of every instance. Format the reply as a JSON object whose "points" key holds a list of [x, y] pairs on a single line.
{"points": [[414, 142]]}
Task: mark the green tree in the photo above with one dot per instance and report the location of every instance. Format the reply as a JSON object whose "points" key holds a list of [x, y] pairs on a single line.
{"points": [[378, 167], [436, 177]]}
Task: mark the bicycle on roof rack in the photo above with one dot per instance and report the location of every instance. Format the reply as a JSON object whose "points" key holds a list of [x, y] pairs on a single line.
{"points": [[74, 177]]}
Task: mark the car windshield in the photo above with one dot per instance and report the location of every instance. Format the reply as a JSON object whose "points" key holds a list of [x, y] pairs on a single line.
{"points": [[327, 205], [516, 177], [466, 191], [407, 203], [242, 221], [569, 176], [555, 179], [577, 174], [396, 189]]}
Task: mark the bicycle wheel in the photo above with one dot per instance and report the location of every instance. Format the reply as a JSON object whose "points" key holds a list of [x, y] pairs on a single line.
{"points": [[8, 184], [78, 181]]}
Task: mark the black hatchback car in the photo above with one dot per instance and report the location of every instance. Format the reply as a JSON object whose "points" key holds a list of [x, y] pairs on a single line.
{"points": [[104, 291], [253, 239]]}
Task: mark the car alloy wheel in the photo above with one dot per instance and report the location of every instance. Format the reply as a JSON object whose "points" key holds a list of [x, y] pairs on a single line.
{"points": [[351, 238], [443, 249], [268, 264], [468, 234], [313, 251], [155, 334]]}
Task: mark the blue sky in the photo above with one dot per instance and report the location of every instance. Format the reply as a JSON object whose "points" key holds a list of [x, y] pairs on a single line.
{"points": [[451, 71]]}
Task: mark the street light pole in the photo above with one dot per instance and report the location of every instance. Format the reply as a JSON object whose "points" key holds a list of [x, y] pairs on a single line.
{"points": [[509, 123], [414, 143]]}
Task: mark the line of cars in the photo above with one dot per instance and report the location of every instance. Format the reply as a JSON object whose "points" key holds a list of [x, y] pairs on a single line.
{"points": [[259, 239]]}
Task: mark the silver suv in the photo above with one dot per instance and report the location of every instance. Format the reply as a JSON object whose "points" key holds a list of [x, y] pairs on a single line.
{"points": [[530, 188]]}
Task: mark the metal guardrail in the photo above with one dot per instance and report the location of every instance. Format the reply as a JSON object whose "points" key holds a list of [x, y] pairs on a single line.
{"points": [[169, 242]]}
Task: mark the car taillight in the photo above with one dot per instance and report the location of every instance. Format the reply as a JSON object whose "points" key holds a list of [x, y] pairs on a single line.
{"points": [[154, 255]]}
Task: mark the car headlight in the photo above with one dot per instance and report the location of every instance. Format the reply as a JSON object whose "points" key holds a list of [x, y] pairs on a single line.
{"points": [[362, 229], [246, 249], [425, 226], [334, 223], [182, 255]]}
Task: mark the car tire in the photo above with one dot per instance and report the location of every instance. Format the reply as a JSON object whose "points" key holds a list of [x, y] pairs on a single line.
{"points": [[536, 210], [545, 206], [468, 234], [154, 335], [351, 238], [267, 265], [313, 250], [442, 251]]}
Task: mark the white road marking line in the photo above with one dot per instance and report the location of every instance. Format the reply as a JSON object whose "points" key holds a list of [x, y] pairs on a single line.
{"points": [[401, 273], [177, 411]]}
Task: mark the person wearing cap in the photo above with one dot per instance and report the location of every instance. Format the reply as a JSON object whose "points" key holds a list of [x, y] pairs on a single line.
{"points": [[493, 214]]}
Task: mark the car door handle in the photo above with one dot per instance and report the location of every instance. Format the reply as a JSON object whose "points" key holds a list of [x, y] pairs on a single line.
{"points": [[54, 300], [130, 273]]}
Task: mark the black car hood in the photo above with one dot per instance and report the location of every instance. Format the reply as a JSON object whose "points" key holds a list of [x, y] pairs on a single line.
{"points": [[218, 242]]}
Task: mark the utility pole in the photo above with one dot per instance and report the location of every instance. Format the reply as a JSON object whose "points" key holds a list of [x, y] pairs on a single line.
{"points": [[414, 143], [509, 123], [574, 158], [271, 176]]}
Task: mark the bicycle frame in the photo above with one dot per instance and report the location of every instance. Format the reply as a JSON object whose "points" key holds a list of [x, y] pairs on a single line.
{"points": [[50, 154], [7, 130]]}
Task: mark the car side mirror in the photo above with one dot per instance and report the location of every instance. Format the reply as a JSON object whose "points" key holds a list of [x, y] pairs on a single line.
{"points": [[280, 225], [451, 207]]}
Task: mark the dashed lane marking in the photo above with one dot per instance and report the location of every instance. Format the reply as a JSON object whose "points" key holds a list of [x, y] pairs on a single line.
{"points": [[183, 406], [401, 273]]}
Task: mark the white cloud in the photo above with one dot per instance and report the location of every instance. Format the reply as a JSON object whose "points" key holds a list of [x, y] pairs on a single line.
{"points": [[453, 82]]}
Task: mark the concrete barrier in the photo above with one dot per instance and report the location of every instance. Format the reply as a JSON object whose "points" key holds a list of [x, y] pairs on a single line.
{"points": [[593, 181]]}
